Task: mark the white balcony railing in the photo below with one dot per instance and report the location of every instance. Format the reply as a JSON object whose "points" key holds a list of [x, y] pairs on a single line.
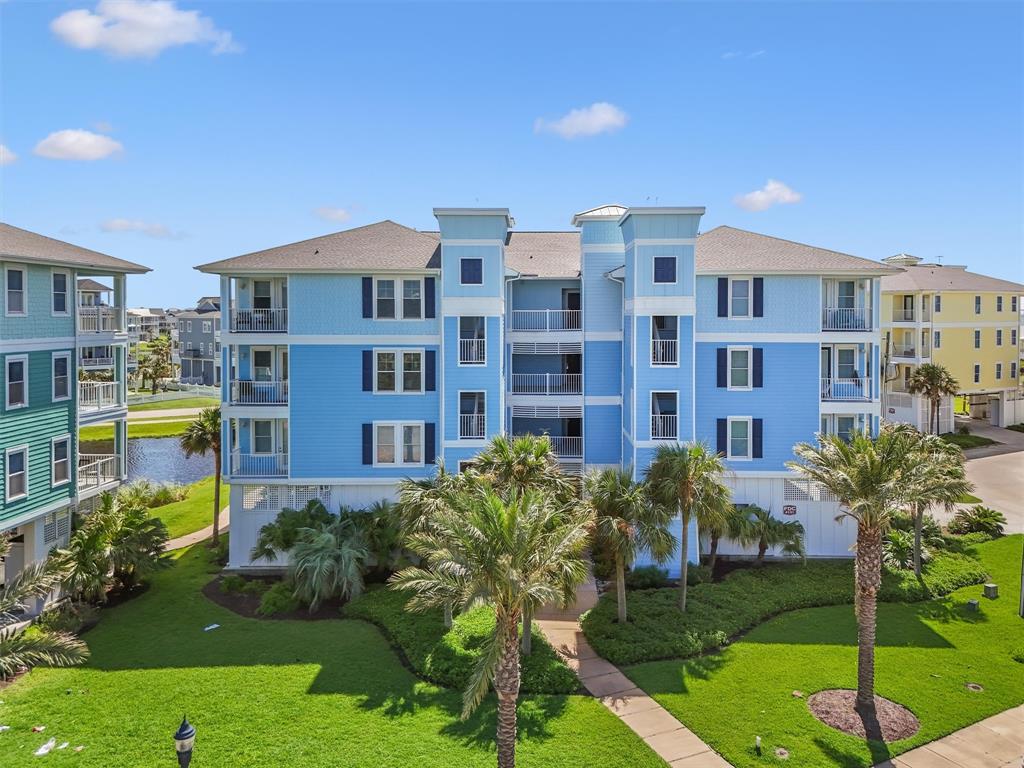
{"points": [[664, 352], [96, 469], [545, 320], [845, 319], [472, 425], [902, 315], [567, 447], [664, 426], [472, 351], [547, 384], [904, 350], [98, 395], [96, 362], [99, 319], [259, 320], [846, 389], [259, 392], [259, 464]]}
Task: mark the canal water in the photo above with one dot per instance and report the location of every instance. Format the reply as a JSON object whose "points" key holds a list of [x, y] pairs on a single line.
{"points": [[158, 459]]}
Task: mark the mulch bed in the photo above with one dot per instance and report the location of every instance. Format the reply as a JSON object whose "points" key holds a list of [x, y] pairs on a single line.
{"points": [[245, 605], [892, 721]]}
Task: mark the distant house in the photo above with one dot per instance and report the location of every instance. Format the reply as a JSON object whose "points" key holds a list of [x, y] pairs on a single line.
{"points": [[92, 293], [146, 323], [198, 343]]}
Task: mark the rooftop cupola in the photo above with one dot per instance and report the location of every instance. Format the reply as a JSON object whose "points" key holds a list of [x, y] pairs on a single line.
{"points": [[903, 260]]}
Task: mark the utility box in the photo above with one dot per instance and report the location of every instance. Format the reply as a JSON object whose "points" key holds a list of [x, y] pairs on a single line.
{"points": [[991, 591]]}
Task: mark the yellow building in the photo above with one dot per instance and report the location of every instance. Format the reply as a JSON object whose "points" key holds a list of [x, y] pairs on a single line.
{"points": [[968, 323]]}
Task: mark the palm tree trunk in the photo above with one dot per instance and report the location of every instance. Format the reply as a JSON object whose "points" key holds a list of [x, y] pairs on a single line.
{"points": [[762, 547], [526, 643], [448, 615], [918, 527], [868, 575], [216, 498], [935, 416], [620, 588], [506, 684], [684, 562], [713, 552]]}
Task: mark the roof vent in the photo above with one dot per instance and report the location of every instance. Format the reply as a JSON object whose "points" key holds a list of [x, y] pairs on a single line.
{"points": [[903, 260]]}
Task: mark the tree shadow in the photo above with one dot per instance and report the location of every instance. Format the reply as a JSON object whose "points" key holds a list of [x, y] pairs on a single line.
{"points": [[673, 675]]}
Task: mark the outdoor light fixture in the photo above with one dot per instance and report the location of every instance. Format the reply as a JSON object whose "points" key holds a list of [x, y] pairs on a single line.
{"points": [[183, 741]]}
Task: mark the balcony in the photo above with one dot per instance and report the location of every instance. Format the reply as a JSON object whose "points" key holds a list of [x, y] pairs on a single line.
{"points": [[259, 392], [846, 319], [664, 352], [856, 389], [259, 320], [96, 470], [664, 426], [472, 426], [98, 396], [259, 464], [547, 384], [567, 447], [545, 320], [99, 320], [911, 315], [911, 351], [472, 351], [95, 363]]}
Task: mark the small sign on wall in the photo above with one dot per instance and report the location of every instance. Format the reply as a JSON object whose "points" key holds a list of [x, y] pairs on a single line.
{"points": [[789, 509]]}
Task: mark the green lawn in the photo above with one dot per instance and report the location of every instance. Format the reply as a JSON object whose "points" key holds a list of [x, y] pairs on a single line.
{"points": [[185, 402], [172, 428], [289, 693], [193, 513], [926, 654], [969, 498], [967, 441]]}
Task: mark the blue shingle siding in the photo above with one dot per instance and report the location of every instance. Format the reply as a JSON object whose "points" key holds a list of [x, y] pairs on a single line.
{"points": [[791, 304]]}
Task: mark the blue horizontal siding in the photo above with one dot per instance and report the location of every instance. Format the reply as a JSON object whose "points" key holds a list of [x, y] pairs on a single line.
{"points": [[602, 367], [602, 431], [791, 305], [333, 304]]}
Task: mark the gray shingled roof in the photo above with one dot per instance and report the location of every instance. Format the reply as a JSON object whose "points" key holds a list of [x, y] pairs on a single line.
{"points": [[22, 245], [87, 284], [932, 277], [544, 254], [191, 314]]}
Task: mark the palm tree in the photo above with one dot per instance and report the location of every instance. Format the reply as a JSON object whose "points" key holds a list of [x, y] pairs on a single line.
{"points": [[327, 562], [281, 534], [86, 562], [506, 554], [730, 527], [157, 363], [761, 528], [871, 478], [689, 478], [626, 522], [137, 542], [934, 381], [202, 436]]}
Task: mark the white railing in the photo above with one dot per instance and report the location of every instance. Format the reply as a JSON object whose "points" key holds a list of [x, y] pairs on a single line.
{"points": [[259, 320], [545, 320], [664, 426], [98, 395], [99, 319], [96, 469], [845, 319], [259, 464], [664, 352], [97, 362], [904, 350], [547, 383], [902, 315], [567, 447], [846, 389], [472, 351], [472, 425], [259, 392]]}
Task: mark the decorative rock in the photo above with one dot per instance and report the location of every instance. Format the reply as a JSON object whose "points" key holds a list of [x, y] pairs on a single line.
{"points": [[798, 694], [782, 754], [973, 605], [974, 687], [991, 591]]}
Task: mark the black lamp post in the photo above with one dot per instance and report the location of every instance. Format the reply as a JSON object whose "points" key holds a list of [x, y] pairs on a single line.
{"points": [[183, 741]]}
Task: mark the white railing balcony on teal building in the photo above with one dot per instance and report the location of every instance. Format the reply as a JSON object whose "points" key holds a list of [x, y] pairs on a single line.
{"points": [[98, 469], [664, 352], [545, 320], [664, 426], [259, 464], [99, 320], [96, 362], [99, 395], [846, 319], [472, 426], [547, 384], [273, 320], [567, 447], [259, 392], [472, 351], [851, 389]]}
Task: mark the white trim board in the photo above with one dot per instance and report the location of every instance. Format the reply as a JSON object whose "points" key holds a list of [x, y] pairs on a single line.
{"points": [[660, 305], [280, 339]]}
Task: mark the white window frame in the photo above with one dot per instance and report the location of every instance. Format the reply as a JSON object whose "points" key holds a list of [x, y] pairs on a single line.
{"points": [[651, 414], [977, 373], [207, 326], [399, 433], [999, 337], [730, 420], [54, 483], [654, 271], [458, 407], [7, 472], [750, 368], [458, 329], [999, 303], [400, 354], [937, 340], [999, 371], [1013, 303], [938, 303], [24, 290], [483, 276], [7, 382], [399, 299], [67, 293], [977, 305], [1013, 337], [53, 376], [273, 438], [977, 338], [750, 297], [1013, 371], [665, 365]]}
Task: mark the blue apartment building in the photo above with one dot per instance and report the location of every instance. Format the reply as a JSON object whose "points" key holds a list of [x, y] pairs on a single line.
{"points": [[359, 358]]}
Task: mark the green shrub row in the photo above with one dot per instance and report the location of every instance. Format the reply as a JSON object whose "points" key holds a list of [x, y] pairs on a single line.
{"points": [[448, 656]]}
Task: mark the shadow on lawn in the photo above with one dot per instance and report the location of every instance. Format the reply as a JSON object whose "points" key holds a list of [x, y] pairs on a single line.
{"points": [[879, 753]]}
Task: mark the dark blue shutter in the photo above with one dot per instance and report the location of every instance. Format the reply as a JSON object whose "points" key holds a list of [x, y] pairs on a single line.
{"points": [[723, 297], [428, 297], [430, 371], [758, 367], [367, 297], [723, 364], [367, 370], [429, 440], [758, 297], [367, 443], [723, 436], [757, 430]]}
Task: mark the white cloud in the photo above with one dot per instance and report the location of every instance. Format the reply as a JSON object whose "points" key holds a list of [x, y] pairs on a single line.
{"points": [[74, 144], [772, 193], [743, 54], [328, 213], [139, 28], [599, 117], [6, 156], [149, 229]]}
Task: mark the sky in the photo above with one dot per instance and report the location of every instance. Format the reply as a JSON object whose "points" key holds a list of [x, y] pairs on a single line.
{"points": [[177, 133]]}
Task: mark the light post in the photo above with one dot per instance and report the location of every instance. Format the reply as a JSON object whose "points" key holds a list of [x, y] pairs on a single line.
{"points": [[183, 741]]}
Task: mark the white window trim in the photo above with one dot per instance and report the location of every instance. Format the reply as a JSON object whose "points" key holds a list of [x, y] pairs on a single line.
{"points": [[937, 340], [977, 339], [67, 293], [207, 326], [750, 297], [651, 414], [399, 443], [400, 371], [750, 368], [7, 389], [273, 438], [24, 290], [483, 276], [999, 337], [53, 378], [937, 303], [978, 305], [654, 280], [730, 420], [651, 357], [458, 333], [458, 407], [188, 346], [999, 371], [999, 303], [976, 373], [399, 281], [53, 461], [188, 326], [7, 472]]}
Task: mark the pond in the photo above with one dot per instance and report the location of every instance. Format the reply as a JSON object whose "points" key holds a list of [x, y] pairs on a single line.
{"points": [[159, 459]]}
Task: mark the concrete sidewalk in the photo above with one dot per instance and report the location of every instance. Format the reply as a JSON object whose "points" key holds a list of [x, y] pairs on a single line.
{"points": [[223, 519], [997, 742], [183, 413]]}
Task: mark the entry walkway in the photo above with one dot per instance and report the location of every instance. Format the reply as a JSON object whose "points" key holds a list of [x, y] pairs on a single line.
{"points": [[997, 742], [201, 535]]}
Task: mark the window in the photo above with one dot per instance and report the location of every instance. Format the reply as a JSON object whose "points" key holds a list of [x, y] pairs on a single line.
{"points": [[15, 284], [977, 338], [664, 415], [412, 444], [16, 467], [385, 450], [472, 341], [847, 294], [1013, 303], [465, 465], [202, 348], [999, 337], [739, 367], [60, 460], [999, 303], [59, 282], [977, 373], [385, 377], [188, 346], [412, 371], [385, 299], [471, 271], [181, 326], [188, 326], [664, 269], [937, 339], [846, 363], [664, 340], [999, 371], [844, 427], [472, 415], [739, 438], [261, 294], [262, 365], [412, 299], [938, 303], [389, 377], [61, 376], [17, 381], [388, 451], [262, 436], [739, 298], [1013, 371], [207, 326], [977, 305], [1013, 337]]}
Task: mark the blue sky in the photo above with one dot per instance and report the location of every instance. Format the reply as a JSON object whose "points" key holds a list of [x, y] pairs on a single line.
{"points": [[239, 126]]}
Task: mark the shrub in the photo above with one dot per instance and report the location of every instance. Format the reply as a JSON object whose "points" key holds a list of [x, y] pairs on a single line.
{"points": [[278, 599], [898, 550], [978, 519], [255, 587], [67, 617], [232, 583], [604, 562], [646, 577], [931, 531], [697, 574], [1017, 654], [963, 430]]}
